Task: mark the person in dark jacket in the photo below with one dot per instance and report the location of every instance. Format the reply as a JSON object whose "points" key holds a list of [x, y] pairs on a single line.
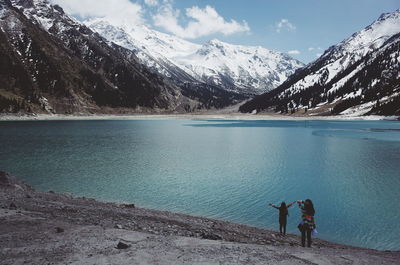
{"points": [[307, 224], [283, 213]]}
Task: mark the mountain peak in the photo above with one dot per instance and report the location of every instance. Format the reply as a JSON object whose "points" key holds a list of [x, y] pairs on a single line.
{"points": [[215, 42], [245, 69], [389, 15], [54, 63], [374, 35], [359, 75]]}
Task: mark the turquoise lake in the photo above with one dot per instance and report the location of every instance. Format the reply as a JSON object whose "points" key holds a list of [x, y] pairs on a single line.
{"points": [[227, 170]]}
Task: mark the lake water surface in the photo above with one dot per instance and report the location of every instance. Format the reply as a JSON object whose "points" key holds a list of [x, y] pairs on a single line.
{"points": [[226, 170]]}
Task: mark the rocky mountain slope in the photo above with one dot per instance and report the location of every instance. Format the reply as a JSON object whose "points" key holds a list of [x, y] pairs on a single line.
{"points": [[242, 69], [55, 64], [50, 228], [360, 75], [52, 63]]}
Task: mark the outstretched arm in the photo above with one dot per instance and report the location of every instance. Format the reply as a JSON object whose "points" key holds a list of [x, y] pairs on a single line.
{"points": [[276, 207], [300, 203], [290, 204]]}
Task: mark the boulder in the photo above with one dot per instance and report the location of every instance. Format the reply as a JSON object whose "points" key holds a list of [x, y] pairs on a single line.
{"points": [[9, 181], [5, 179]]}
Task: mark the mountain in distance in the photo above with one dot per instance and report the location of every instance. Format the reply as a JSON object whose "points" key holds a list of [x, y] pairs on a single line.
{"points": [[358, 76], [52, 63], [245, 70], [205, 94]]}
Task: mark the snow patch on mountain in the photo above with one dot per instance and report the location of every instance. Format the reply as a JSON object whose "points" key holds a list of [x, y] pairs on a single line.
{"points": [[243, 69], [347, 52], [362, 70], [254, 68], [373, 36]]}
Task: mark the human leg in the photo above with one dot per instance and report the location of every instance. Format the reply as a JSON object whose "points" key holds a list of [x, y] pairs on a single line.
{"points": [[303, 237], [309, 237], [284, 228]]}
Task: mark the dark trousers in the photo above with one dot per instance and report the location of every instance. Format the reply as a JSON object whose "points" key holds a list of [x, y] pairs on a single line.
{"points": [[306, 232], [282, 225]]}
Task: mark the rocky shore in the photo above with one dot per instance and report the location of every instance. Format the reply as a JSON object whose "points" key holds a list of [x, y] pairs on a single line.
{"points": [[206, 115], [49, 228]]}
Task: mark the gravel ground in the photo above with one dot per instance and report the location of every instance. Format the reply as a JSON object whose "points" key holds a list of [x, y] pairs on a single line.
{"points": [[48, 228]]}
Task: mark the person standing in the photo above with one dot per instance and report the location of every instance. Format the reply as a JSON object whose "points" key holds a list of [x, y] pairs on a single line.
{"points": [[307, 224], [283, 213]]}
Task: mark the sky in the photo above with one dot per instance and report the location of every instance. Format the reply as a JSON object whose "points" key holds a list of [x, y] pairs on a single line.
{"points": [[301, 28]]}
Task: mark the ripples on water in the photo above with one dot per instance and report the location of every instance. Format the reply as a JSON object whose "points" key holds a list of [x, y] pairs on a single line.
{"points": [[224, 169]]}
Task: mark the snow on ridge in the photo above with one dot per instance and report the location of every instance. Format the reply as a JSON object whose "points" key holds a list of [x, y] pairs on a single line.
{"points": [[375, 34], [252, 62], [250, 67], [350, 50], [157, 42], [241, 63], [42, 11], [252, 70]]}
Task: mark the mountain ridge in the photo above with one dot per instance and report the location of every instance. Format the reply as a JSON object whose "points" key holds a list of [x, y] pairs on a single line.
{"points": [[215, 62], [346, 78], [90, 73]]}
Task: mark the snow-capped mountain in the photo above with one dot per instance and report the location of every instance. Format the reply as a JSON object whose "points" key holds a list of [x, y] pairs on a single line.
{"points": [[153, 50], [241, 69], [360, 75], [244, 68], [50, 62]]}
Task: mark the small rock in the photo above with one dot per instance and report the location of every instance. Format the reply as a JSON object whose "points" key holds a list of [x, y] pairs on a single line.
{"points": [[118, 226], [28, 196], [12, 206], [130, 205], [18, 187], [50, 191], [59, 230], [122, 245], [210, 236]]}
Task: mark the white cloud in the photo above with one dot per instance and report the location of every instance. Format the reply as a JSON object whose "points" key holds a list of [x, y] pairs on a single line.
{"points": [[313, 48], [202, 22], [120, 11], [284, 24], [294, 52], [318, 54], [151, 2]]}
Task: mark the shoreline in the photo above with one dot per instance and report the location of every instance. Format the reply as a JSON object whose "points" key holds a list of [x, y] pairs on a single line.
{"points": [[184, 116], [46, 227]]}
